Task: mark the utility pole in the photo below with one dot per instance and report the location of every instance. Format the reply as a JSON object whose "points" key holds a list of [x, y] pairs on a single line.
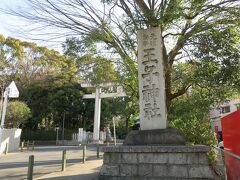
{"points": [[1, 101], [6, 94], [114, 132], [63, 127]]}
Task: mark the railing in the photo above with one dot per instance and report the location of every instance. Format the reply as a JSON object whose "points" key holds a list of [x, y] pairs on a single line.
{"points": [[219, 165], [227, 164]]}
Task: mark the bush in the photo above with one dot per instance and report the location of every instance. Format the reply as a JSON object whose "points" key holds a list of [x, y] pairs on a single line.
{"points": [[196, 131], [17, 113]]}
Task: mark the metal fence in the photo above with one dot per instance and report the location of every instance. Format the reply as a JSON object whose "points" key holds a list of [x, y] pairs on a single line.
{"points": [[227, 164]]}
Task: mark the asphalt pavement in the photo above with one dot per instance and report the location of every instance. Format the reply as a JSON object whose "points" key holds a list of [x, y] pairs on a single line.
{"points": [[47, 160]]}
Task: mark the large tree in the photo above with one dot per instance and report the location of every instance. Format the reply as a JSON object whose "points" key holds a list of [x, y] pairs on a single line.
{"points": [[198, 32]]}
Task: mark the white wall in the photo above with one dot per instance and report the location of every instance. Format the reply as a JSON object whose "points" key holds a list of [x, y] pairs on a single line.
{"points": [[12, 137]]}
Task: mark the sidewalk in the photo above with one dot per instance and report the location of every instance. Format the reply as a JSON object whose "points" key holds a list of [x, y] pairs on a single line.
{"points": [[88, 171]]}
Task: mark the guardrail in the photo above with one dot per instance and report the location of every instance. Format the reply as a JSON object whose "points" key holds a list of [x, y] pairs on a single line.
{"points": [[227, 164]]}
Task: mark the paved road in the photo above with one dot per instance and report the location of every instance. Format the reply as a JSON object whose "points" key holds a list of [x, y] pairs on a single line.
{"points": [[13, 166]]}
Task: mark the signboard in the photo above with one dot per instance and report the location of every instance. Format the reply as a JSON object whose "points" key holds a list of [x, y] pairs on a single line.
{"points": [[13, 92], [80, 134]]}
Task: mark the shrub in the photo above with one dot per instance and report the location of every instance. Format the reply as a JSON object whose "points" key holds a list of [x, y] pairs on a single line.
{"points": [[196, 131], [17, 113]]}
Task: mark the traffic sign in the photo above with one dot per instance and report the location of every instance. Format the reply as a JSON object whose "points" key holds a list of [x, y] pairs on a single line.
{"points": [[13, 93]]}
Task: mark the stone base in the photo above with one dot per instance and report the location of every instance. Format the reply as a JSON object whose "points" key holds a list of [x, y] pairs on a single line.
{"points": [[96, 142], [155, 163], [168, 136]]}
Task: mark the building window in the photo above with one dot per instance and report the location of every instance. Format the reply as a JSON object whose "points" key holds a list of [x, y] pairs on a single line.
{"points": [[225, 109]]}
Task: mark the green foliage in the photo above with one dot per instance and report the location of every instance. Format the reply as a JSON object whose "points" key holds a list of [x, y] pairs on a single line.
{"points": [[49, 103], [200, 52], [238, 106], [97, 69], [120, 128], [133, 120], [76, 48], [190, 114], [220, 67], [204, 34], [102, 71], [17, 113], [93, 69], [196, 131], [47, 81], [27, 63]]}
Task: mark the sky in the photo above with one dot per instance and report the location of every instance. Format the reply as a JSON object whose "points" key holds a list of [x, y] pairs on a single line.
{"points": [[8, 22], [19, 28]]}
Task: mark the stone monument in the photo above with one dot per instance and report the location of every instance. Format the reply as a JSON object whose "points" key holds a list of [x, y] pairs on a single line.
{"points": [[155, 152], [151, 78], [153, 113]]}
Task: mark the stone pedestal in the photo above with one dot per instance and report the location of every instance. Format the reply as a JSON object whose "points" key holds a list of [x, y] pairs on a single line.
{"points": [[155, 163], [169, 136]]}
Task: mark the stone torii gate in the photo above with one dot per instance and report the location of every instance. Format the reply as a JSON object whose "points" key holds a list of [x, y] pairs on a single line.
{"points": [[98, 95]]}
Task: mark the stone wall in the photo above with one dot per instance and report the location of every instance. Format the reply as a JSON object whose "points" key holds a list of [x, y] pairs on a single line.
{"points": [[155, 163]]}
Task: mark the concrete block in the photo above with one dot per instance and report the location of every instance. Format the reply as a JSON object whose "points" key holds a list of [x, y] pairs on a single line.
{"points": [[160, 171], [155, 136], [177, 171], [129, 158], [155, 158], [161, 148], [145, 170], [145, 158], [110, 149], [106, 158], [135, 149], [200, 172], [160, 158], [181, 149], [156, 163], [108, 178], [177, 158], [110, 170], [115, 158], [192, 158], [203, 159], [128, 170]]}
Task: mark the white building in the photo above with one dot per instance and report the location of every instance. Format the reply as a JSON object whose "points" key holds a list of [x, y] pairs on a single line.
{"points": [[222, 110]]}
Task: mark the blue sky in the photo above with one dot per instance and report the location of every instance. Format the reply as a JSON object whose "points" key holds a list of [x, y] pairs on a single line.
{"points": [[10, 25], [18, 28]]}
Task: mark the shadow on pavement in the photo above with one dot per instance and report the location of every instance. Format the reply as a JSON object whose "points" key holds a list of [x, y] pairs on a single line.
{"points": [[91, 176]]}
